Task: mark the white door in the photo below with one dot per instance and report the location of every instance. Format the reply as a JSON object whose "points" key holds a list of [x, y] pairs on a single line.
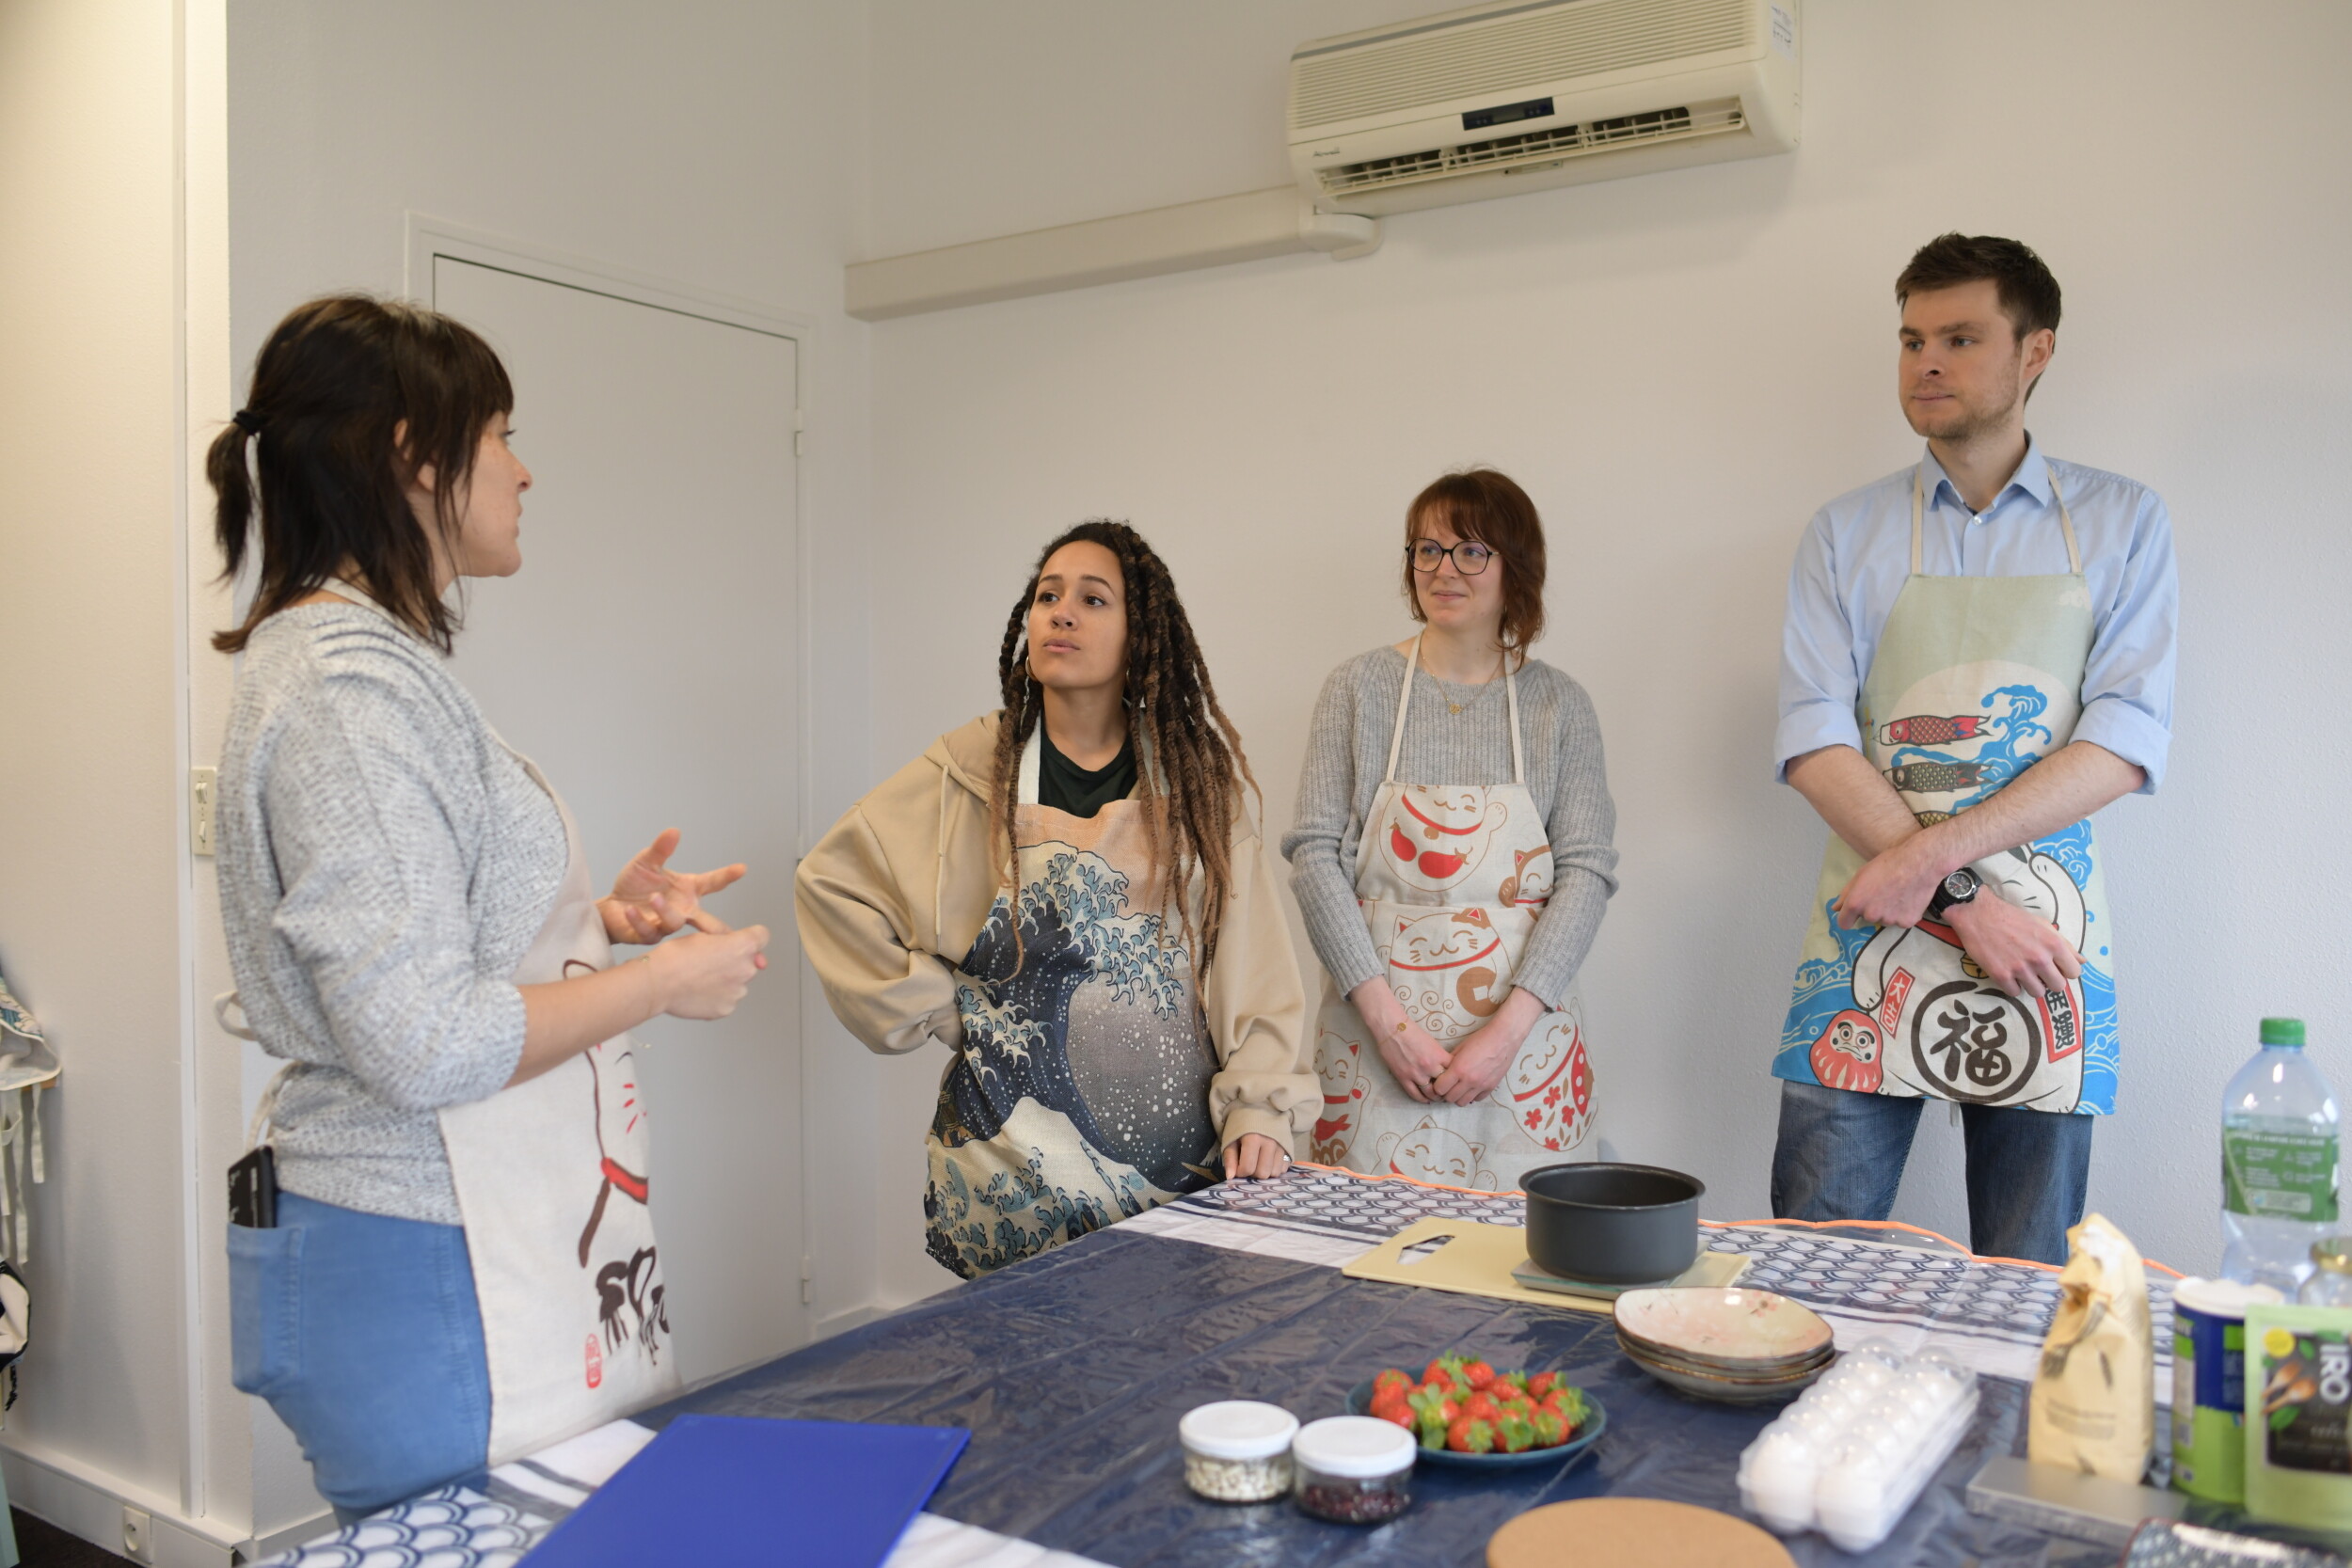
{"points": [[646, 658]]}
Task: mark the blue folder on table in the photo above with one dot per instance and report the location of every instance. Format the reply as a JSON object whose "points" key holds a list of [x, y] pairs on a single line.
{"points": [[732, 1489]]}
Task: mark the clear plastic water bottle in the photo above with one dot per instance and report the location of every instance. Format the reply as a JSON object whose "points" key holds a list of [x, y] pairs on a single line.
{"points": [[2278, 1163]]}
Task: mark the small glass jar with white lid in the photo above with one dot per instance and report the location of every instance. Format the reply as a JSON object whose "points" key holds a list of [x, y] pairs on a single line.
{"points": [[1238, 1451], [1354, 1469]]}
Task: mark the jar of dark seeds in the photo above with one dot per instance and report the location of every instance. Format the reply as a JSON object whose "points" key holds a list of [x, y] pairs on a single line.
{"points": [[1353, 1469], [1238, 1451]]}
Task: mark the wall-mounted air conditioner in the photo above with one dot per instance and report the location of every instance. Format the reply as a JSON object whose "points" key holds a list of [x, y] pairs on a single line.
{"points": [[1516, 96]]}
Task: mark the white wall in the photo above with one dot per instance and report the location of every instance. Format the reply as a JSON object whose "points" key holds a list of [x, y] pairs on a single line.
{"points": [[110, 188], [88, 853], [1681, 369], [714, 145]]}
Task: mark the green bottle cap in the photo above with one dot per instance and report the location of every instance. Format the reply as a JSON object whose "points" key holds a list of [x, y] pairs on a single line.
{"points": [[2282, 1031]]}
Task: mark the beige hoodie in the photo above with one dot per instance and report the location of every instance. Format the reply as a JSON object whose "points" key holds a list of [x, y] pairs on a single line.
{"points": [[897, 891]]}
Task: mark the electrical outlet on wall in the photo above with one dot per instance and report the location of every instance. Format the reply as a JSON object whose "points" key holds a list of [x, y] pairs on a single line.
{"points": [[201, 791], [138, 1534]]}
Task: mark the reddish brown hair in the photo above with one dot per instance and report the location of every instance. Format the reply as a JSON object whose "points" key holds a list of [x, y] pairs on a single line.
{"points": [[1482, 504]]}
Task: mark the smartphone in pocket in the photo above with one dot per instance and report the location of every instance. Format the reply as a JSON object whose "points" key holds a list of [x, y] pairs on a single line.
{"points": [[253, 1190]]}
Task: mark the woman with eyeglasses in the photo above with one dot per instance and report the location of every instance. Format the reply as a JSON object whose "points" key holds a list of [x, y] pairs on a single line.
{"points": [[1451, 854], [1070, 896]]}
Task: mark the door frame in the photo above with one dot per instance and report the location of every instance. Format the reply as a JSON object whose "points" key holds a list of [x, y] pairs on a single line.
{"points": [[428, 238]]}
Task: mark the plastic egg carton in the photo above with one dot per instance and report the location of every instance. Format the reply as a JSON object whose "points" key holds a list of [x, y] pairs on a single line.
{"points": [[1850, 1456]]}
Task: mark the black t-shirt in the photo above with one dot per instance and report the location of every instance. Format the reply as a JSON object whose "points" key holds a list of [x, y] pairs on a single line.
{"points": [[1064, 785]]}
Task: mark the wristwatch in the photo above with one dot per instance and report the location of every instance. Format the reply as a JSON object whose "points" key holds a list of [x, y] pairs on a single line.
{"points": [[1959, 888]]}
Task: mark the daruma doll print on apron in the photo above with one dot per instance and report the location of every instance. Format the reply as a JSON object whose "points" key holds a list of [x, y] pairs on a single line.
{"points": [[1976, 679], [1451, 879]]}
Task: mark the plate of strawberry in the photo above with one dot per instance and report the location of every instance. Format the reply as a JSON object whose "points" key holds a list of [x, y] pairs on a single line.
{"points": [[1464, 1411]]}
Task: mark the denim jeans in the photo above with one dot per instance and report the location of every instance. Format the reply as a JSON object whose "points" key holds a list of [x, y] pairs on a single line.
{"points": [[362, 1332], [1841, 1156]]}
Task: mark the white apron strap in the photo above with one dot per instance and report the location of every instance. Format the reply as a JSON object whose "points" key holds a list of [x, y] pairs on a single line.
{"points": [[1918, 492], [1403, 701], [266, 1108], [1511, 695], [2066, 522], [221, 1005], [1028, 787]]}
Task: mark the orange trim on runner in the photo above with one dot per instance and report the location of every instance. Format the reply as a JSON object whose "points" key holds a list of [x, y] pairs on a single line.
{"points": [[1726, 1225]]}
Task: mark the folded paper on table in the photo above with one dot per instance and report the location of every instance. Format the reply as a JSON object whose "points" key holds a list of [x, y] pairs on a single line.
{"points": [[1477, 1259], [740, 1489]]}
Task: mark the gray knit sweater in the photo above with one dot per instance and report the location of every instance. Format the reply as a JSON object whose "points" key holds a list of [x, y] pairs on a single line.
{"points": [[1347, 749], [384, 864]]}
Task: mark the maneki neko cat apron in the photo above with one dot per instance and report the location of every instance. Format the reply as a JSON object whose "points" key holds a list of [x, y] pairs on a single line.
{"points": [[1451, 879], [1080, 1096], [1977, 678], [551, 1187], [552, 1182]]}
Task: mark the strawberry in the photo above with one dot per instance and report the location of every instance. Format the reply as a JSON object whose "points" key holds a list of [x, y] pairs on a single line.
{"points": [[1391, 1379], [1542, 1384], [1516, 1382], [1515, 1434], [1478, 1407], [1432, 1431], [1468, 1437], [1479, 1373], [1551, 1429], [1400, 1413]]}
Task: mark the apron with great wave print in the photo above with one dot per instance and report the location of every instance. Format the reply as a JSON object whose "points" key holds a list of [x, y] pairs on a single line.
{"points": [[1080, 1096]]}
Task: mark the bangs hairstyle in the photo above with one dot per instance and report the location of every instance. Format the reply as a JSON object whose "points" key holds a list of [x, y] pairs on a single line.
{"points": [[333, 383], [1482, 504], [1191, 767]]}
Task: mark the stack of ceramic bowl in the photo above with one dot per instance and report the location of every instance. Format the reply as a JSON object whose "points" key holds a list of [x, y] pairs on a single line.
{"points": [[1741, 1347]]}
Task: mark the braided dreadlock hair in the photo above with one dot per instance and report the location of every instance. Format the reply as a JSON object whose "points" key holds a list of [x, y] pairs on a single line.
{"points": [[1193, 767]]}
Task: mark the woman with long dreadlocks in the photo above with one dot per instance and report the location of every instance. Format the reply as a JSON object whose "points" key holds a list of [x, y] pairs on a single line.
{"points": [[1070, 895]]}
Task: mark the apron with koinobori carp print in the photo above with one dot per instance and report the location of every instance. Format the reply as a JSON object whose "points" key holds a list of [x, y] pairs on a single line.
{"points": [[1976, 679], [1452, 880], [1080, 1095]]}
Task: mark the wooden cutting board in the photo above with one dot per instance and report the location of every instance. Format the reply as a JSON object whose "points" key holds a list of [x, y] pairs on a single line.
{"points": [[1632, 1532], [1477, 1261]]}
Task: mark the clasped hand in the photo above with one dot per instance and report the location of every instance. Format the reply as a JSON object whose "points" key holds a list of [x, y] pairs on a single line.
{"points": [[2017, 949], [1424, 1069]]}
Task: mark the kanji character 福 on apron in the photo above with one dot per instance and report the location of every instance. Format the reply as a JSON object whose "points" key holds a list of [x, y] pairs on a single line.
{"points": [[1976, 679]]}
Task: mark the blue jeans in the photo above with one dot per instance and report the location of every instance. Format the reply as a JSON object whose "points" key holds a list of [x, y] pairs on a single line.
{"points": [[1841, 1156], [362, 1332]]}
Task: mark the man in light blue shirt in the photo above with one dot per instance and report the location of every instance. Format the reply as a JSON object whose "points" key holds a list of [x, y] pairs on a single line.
{"points": [[1978, 655]]}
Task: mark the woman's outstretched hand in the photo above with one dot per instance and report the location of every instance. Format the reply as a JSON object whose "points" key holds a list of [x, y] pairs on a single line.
{"points": [[650, 901]]}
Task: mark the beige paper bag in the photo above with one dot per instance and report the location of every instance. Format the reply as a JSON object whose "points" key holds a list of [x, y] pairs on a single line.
{"points": [[2094, 1398]]}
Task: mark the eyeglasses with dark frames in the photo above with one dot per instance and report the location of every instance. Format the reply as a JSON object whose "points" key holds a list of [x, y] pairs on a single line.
{"points": [[1469, 556]]}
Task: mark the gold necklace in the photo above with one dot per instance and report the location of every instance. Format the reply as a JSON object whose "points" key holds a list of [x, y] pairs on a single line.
{"points": [[1447, 691]]}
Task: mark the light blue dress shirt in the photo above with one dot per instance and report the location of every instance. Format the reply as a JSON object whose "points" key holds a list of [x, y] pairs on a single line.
{"points": [[1857, 551]]}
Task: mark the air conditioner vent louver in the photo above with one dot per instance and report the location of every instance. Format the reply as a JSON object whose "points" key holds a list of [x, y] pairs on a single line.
{"points": [[1564, 42], [1542, 148]]}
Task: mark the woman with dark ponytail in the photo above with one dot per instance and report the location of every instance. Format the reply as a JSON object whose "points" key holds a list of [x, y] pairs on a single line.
{"points": [[440, 1255], [1070, 895]]}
